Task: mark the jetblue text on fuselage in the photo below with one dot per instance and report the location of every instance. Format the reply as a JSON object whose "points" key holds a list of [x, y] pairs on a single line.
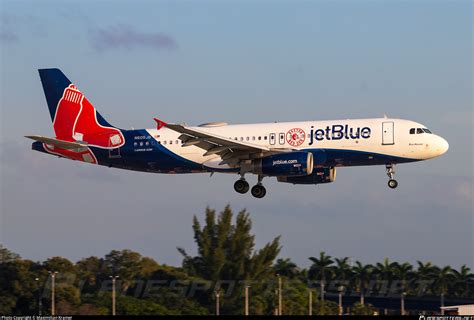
{"points": [[338, 132]]}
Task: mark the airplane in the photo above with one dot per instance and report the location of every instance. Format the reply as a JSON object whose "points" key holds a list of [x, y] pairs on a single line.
{"points": [[306, 152]]}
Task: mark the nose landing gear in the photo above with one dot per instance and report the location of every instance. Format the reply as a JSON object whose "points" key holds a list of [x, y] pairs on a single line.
{"points": [[392, 183]]}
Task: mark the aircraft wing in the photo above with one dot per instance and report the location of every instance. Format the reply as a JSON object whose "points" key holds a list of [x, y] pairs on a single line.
{"points": [[231, 151], [216, 139], [73, 146]]}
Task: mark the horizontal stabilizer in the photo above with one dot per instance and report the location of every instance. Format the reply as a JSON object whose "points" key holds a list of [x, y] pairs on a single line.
{"points": [[67, 145]]}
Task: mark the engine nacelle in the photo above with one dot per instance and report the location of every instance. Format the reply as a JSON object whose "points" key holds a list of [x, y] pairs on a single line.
{"points": [[291, 164], [319, 175]]}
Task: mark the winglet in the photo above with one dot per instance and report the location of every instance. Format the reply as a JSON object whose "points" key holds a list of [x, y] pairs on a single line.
{"points": [[159, 124]]}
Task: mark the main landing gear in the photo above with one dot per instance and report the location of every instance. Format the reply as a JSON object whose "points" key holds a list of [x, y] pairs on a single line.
{"points": [[258, 190], [241, 186], [392, 183]]}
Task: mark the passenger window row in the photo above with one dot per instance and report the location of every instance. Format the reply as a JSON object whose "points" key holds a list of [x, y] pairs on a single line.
{"points": [[235, 138], [248, 138], [170, 142], [161, 142]]}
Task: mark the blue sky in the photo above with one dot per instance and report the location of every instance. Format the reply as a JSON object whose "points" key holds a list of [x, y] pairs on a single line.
{"points": [[240, 61]]}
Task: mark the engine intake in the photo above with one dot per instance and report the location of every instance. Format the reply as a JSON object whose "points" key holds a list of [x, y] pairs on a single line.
{"points": [[291, 164], [319, 175]]}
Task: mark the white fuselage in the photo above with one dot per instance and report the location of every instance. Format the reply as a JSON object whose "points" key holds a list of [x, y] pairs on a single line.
{"points": [[380, 136]]}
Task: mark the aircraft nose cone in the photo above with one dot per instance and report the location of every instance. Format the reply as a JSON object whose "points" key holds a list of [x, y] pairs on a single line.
{"points": [[443, 146]]}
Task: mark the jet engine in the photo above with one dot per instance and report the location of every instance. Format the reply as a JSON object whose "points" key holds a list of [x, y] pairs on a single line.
{"points": [[291, 164]]}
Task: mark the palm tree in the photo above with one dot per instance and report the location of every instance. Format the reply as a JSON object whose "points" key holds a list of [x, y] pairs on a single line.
{"points": [[343, 269], [322, 270], [425, 274], [443, 278], [403, 272], [286, 268], [384, 271], [462, 281], [362, 275]]}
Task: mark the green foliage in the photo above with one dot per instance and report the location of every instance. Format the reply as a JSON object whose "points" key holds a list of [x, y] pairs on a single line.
{"points": [[68, 293], [132, 306], [60, 265], [296, 297], [287, 268], [6, 255], [342, 270], [462, 280], [88, 270], [89, 309], [443, 277], [226, 251], [324, 308], [125, 263], [322, 268], [7, 304], [363, 309], [129, 266], [174, 290]]}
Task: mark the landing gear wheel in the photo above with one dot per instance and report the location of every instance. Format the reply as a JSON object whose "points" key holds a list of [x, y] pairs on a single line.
{"points": [[258, 191], [241, 186], [392, 183]]}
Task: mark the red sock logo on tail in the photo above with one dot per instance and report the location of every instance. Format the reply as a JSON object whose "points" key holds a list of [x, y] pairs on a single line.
{"points": [[76, 120]]}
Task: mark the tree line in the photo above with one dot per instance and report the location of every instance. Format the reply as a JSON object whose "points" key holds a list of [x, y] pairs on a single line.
{"points": [[226, 262]]}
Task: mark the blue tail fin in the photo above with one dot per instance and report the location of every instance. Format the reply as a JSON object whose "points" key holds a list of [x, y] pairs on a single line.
{"points": [[54, 85], [74, 117]]}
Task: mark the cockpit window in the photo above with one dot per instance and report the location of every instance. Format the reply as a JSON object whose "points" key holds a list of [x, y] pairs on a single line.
{"points": [[419, 130]]}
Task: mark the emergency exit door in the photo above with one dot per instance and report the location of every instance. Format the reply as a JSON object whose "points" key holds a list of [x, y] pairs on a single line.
{"points": [[388, 133], [282, 138], [272, 138]]}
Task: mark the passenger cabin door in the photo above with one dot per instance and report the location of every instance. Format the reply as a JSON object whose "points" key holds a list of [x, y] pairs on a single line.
{"points": [[388, 133]]}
